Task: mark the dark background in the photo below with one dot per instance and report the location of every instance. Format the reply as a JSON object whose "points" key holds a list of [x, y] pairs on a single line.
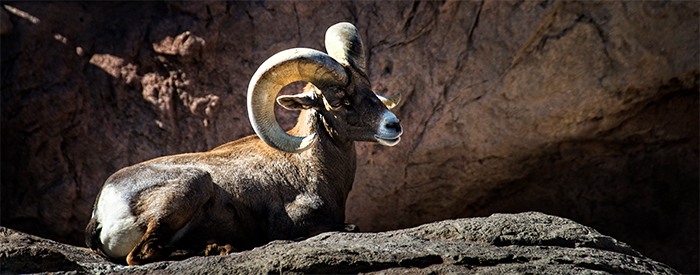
{"points": [[586, 110]]}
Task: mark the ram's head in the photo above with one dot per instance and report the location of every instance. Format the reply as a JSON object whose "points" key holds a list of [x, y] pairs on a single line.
{"points": [[338, 90]]}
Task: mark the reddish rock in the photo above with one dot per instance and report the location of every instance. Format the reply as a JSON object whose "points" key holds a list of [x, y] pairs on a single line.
{"points": [[583, 110]]}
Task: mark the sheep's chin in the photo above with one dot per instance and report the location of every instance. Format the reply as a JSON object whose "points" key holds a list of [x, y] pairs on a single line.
{"points": [[388, 141]]}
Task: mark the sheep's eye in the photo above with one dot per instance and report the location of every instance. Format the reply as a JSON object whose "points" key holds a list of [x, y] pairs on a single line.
{"points": [[341, 102]]}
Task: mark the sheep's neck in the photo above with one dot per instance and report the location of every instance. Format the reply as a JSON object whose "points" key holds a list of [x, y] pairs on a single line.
{"points": [[336, 156]]}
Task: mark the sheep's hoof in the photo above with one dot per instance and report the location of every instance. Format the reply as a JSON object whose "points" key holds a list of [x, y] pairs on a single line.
{"points": [[215, 249], [149, 252], [351, 228]]}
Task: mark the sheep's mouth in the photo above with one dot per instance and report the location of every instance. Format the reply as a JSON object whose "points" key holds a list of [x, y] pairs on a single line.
{"points": [[388, 141]]}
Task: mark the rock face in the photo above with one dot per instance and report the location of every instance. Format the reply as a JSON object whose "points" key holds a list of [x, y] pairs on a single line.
{"points": [[502, 243], [585, 110]]}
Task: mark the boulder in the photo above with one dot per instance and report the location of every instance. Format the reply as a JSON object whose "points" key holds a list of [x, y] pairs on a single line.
{"points": [[529, 242], [584, 110]]}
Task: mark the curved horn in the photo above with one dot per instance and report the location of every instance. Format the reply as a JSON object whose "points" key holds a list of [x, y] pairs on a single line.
{"points": [[391, 101], [344, 44], [281, 69]]}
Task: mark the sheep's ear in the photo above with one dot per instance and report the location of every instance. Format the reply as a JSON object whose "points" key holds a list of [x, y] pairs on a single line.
{"points": [[297, 102]]}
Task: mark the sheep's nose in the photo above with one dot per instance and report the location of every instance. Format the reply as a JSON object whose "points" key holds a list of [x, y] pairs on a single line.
{"points": [[394, 125]]}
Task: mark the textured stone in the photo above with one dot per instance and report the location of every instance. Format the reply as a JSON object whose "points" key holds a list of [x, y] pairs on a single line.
{"points": [[585, 110], [502, 243]]}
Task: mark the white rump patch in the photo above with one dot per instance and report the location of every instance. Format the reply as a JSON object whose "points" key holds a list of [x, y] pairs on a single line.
{"points": [[120, 233]]}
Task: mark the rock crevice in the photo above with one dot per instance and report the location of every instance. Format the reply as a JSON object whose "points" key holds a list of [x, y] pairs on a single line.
{"points": [[586, 110]]}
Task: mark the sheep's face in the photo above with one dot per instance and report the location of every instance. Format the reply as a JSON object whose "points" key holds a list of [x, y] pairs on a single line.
{"points": [[350, 113]]}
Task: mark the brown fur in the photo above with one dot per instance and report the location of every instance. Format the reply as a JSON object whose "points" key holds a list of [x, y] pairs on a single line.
{"points": [[244, 193]]}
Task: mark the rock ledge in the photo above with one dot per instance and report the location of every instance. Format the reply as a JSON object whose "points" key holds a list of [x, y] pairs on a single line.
{"points": [[529, 242]]}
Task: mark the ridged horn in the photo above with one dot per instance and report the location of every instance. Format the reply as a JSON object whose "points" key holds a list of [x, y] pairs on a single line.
{"points": [[283, 68], [343, 43]]}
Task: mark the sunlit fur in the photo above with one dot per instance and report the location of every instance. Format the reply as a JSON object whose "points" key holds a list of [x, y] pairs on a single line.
{"points": [[244, 193]]}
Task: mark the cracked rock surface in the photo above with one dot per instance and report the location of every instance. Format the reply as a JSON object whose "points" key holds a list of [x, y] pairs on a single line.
{"points": [[530, 242], [587, 110]]}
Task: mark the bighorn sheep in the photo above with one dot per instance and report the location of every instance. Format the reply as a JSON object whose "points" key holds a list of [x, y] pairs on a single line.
{"points": [[273, 185]]}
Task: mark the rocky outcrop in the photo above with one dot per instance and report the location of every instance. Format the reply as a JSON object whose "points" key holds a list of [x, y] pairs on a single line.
{"points": [[502, 243], [586, 110]]}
